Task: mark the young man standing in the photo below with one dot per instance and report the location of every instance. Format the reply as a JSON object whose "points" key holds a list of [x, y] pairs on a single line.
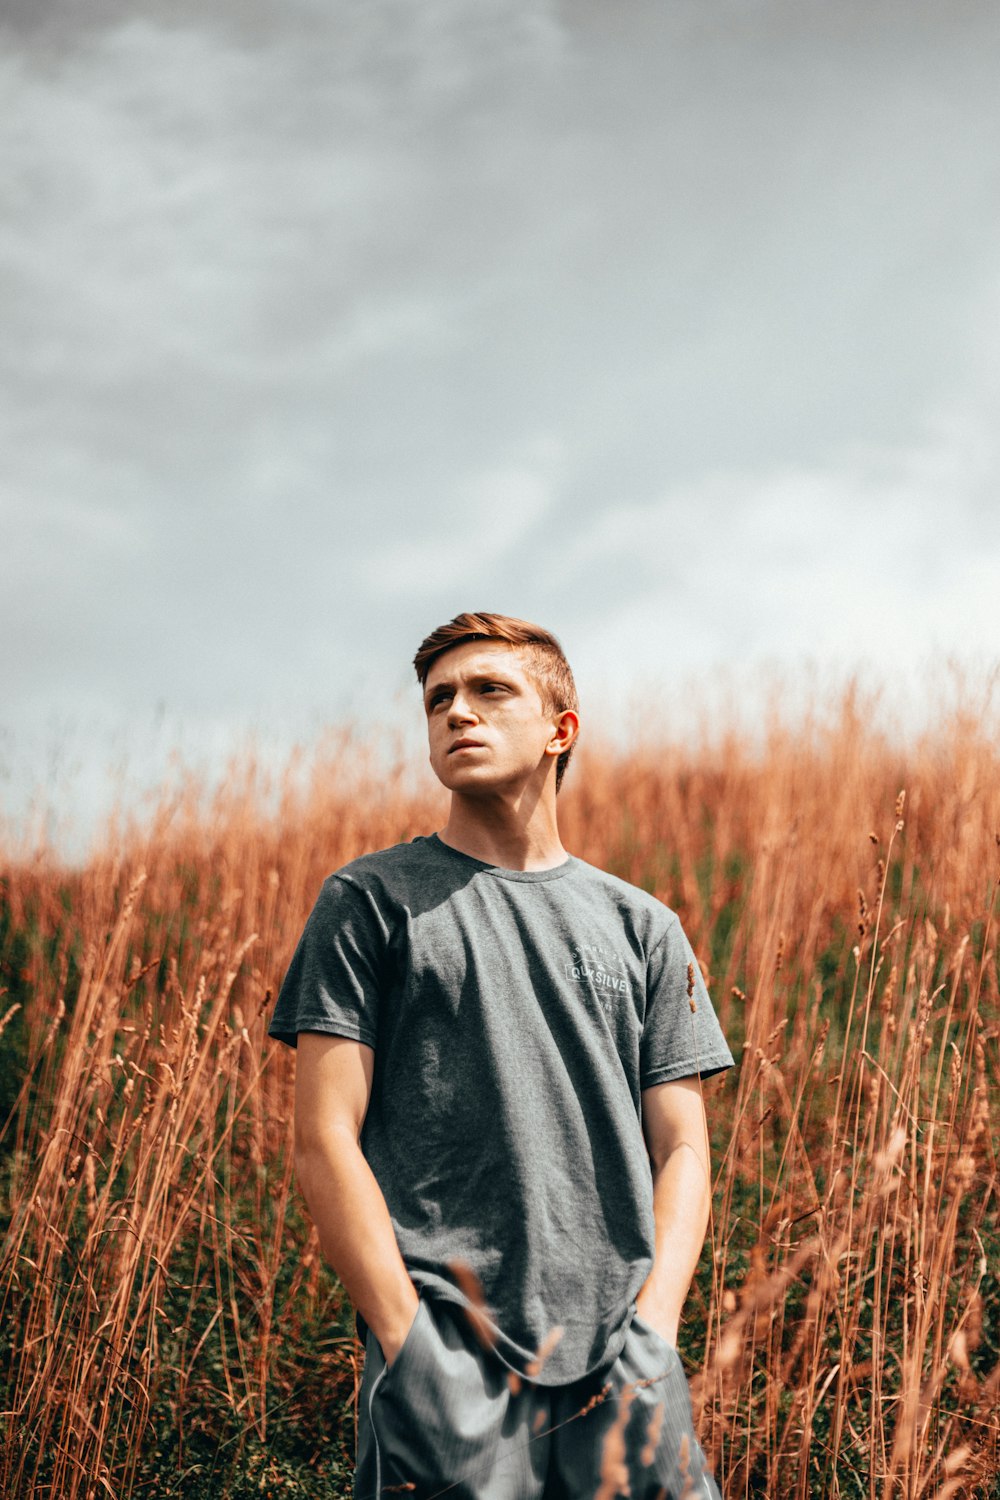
{"points": [[498, 1118]]}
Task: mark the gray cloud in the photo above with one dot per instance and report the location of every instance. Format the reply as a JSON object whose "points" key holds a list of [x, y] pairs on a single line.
{"points": [[663, 323]]}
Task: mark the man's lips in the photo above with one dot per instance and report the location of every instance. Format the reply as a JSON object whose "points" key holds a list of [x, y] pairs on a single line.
{"points": [[465, 745]]}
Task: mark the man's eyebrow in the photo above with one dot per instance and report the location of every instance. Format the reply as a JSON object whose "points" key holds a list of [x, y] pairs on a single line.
{"points": [[473, 680]]}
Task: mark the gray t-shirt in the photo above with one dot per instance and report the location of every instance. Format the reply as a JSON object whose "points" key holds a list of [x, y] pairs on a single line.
{"points": [[515, 1016]]}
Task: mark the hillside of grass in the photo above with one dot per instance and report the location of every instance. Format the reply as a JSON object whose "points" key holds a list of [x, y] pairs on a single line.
{"points": [[167, 1327]]}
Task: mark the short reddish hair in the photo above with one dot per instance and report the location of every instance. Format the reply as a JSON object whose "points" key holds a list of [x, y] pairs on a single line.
{"points": [[543, 658]]}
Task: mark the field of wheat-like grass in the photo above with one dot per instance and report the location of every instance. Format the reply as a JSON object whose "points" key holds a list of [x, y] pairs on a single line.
{"points": [[166, 1324]]}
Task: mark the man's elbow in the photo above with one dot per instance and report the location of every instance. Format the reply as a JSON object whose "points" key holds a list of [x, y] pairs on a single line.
{"points": [[683, 1171], [318, 1148], [683, 1155]]}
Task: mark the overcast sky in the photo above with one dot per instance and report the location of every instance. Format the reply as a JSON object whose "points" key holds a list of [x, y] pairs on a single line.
{"points": [[674, 325]]}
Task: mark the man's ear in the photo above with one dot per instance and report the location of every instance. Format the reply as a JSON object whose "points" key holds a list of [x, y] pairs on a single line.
{"points": [[567, 727]]}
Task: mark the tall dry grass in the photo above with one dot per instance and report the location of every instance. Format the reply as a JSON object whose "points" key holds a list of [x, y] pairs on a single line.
{"points": [[167, 1326]]}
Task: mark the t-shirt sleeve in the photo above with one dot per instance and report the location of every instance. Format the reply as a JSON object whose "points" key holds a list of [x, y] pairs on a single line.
{"points": [[337, 971], [681, 1035]]}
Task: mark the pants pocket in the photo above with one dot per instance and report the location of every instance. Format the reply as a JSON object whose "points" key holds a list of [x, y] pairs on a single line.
{"points": [[661, 1453], [437, 1413]]}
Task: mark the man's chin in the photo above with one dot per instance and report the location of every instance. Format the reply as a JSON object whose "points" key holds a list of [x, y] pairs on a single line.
{"points": [[466, 785], [471, 781]]}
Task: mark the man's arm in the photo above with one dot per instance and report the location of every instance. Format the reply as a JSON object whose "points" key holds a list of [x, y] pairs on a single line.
{"points": [[333, 1080], [673, 1122]]}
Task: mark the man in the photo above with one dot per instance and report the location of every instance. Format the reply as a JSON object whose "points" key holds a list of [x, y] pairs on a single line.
{"points": [[499, 1125]]}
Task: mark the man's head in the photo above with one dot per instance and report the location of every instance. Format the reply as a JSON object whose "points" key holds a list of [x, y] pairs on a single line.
{"points": [[539, 653]]}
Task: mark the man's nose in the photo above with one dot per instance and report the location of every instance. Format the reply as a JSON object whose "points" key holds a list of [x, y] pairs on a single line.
{"points": [[459, 711]]}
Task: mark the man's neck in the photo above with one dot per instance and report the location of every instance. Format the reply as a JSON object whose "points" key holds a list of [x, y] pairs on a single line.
{"points": [[502, 835]]}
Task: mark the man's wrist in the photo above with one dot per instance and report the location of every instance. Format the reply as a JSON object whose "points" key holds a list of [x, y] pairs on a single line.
{"points": [[659, 1313], [392, 1328]]}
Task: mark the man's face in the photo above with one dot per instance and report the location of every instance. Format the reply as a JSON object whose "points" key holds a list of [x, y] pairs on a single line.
{"points": [[487, 728]]}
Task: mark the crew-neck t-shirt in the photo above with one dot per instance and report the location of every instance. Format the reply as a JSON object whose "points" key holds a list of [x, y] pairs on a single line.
{"points": [[515, 1017]]}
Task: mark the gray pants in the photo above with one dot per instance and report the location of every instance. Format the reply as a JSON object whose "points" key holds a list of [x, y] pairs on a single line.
{"points": [[449, 1419]]}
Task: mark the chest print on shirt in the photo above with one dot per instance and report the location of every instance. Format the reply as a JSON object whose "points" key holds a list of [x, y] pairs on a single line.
{"points": [[600, 968]]}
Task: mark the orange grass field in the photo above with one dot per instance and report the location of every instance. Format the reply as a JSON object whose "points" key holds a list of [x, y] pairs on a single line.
{"points": [[167, 1327]]}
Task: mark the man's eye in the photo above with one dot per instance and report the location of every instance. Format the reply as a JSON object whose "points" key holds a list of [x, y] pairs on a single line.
{"points": [[437, 700]]}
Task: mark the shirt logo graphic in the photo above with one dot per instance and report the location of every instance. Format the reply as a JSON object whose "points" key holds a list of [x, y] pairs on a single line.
{"points": [[602, 968]]}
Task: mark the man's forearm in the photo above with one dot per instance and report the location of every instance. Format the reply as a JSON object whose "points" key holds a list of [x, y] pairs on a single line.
{"points": [[356, 1234], [681, 1202]]}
